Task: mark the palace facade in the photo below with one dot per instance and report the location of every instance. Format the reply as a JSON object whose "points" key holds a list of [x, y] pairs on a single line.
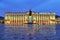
{"points": [[29, 17]]}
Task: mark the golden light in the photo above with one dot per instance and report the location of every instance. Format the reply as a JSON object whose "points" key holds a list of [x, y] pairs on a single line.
{"points": [[26, 22], [5, 17], [8, 22], [34, 18], [51, 22], [33, 13], [25, 17], [27, 13], [34, 22]]}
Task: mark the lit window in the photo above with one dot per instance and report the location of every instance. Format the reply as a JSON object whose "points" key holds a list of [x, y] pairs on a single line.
{"points": [[34, 21], [37, 17], [52, 17], [51, 22], [6, 17], [25, 21], [26, 18], [7, 21], [14, 18], [11, 17]]}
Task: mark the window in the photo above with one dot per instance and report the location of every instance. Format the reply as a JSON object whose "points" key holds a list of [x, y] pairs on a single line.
{"points": [[5, 17]]}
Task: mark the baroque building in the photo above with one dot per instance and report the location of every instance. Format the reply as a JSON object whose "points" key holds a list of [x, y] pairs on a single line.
{"points": [[29, 17]]}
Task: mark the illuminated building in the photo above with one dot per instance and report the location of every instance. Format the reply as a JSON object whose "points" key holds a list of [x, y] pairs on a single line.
{"points": [[29, 17]]}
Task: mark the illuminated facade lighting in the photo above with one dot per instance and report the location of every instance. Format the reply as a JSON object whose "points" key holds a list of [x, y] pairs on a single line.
{"points": [[29, 17]]}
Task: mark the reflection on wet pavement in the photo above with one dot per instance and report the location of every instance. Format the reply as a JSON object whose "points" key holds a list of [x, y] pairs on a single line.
{"points": [[29, 32]]}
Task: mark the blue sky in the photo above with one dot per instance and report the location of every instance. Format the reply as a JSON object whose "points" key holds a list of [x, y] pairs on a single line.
{"points": [[26, 5]]}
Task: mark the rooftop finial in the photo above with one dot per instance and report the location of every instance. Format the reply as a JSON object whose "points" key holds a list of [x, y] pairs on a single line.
{"points": [[30, 12]]}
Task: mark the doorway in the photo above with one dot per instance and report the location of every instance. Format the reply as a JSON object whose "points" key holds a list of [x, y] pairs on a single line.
{"points": [[30, 19]]}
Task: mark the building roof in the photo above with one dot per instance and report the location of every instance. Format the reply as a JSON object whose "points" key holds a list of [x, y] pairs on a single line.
{"points": [[30, 13]]}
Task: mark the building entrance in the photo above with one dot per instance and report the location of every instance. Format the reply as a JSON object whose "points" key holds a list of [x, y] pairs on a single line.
{"points": [[30, 19]]}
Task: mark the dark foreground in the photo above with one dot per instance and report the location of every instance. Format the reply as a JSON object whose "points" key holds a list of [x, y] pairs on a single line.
{"points": [[29, 32]]}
